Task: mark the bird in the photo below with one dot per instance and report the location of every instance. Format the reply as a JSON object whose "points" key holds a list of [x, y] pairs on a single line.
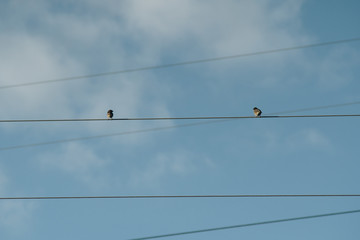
{"points": [[110, 114], [257, 112]]}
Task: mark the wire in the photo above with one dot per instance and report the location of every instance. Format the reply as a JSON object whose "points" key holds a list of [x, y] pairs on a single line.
{"points": [[108, 135], [180, 63], [158, 128], [184, 196], [317, 108], [249, 224], [175, 118]]}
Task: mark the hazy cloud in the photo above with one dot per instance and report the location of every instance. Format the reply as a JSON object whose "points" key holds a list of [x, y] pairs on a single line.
{"points": [[15, 216], [165, 165], [307, 138], [80, 163]]}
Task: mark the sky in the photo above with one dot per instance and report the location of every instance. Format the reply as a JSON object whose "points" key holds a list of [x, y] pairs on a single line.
{"points": [[45, 40]]}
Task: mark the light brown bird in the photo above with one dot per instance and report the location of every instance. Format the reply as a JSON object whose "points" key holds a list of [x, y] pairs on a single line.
{"points": [[110, 114], [257, 112]]}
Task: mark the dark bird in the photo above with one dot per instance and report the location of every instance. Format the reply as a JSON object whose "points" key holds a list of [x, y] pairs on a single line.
{"points": [[257, 112], [110, 114]]}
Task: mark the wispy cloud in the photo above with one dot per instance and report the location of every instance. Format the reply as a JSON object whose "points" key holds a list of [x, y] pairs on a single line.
{"points": [[80, 163], [15, 216], [133, 33], [306, 138], [214, 27], [165, 165]]}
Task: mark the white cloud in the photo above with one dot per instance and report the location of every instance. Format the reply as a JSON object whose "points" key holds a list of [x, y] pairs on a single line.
{"points": [[79, 162], [43, 40], [184, 29], [219, 27], [299, 140], [177, 164], [87, 168], [15, 216], [27, 58], [308, 138], [95, 37]]}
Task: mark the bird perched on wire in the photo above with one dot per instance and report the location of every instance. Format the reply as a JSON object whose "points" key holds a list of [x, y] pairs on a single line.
{"points": [[257, 112], [110, 114]]}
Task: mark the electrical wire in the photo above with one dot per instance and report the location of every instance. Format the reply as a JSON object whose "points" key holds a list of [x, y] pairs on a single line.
{"points": [[176, 118], [108, 135], [180, 63], [249, 224], [317, 108], [183, 196], [159, 128]]}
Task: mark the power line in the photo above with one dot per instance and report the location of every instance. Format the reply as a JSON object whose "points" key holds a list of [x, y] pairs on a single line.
{"points": [[108, 135], [159, 128], [175, 118], [184, 196], [248, 225], [317, 108], [180, 63]]}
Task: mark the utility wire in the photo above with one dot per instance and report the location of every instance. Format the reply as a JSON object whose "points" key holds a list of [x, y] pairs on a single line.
{"points": [[183, 196], [181, 63], [108, 135], [175, 118], [317, 108], [160, 128], [249, 225]]}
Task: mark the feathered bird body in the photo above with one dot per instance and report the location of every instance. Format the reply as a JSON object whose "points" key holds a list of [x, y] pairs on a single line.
{"points": [[110, 114], [257, 112]]}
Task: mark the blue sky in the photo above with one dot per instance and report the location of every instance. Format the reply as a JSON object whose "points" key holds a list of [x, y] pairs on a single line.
{"points": [[42, 40]]}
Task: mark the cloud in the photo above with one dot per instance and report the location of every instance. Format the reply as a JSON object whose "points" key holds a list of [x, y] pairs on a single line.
{"points": [[92, 37], [315, 138], [219, 27], [15, 216], [27, 58], [164, 165], [37, 52], [175, 31], [306, 138], [83, 165], [80, 163]]}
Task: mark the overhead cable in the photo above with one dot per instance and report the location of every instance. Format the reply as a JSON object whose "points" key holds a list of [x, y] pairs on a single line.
{"points": [[158, 128], [108, 135], [317, 108], [175, 118], [183, 196], [248, 225], [180, 63]]}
